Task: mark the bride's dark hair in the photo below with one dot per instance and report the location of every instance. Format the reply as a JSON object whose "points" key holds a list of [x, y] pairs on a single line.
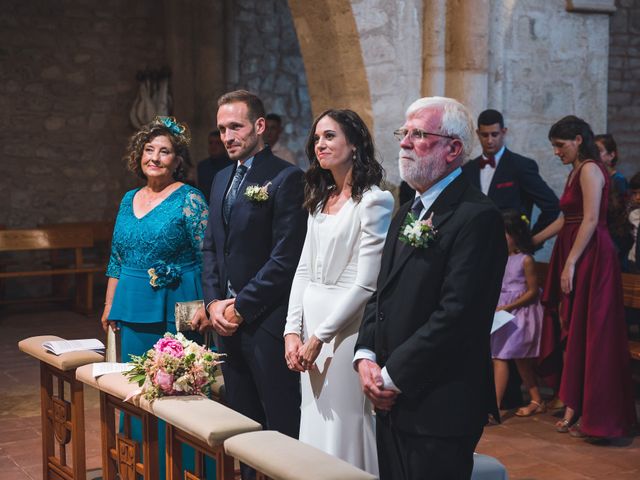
{"points": [[366, 169]]}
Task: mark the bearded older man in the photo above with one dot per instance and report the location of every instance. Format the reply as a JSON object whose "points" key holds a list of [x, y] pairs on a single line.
{"points": [[423, 351]]}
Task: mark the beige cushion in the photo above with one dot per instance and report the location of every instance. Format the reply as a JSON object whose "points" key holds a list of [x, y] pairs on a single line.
{"points": [[115, 384], [67, 361], [208, 421], [283, 458], [84, 375]]}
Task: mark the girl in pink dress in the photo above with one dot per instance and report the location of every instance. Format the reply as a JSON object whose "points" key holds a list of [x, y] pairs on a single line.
{"points": [[519, 339], [584, 287]]}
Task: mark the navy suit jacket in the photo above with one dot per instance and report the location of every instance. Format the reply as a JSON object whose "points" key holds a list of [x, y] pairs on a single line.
{"points": [[258, 251], [430, 318], [517, 185]]}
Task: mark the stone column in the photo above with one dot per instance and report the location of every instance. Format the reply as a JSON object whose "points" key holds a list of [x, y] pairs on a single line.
{"points": [[467, 52], [433, 47]]}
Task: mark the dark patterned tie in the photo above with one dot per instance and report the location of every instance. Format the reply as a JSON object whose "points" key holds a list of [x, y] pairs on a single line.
{"points": [[417, 207], [233, 192]]}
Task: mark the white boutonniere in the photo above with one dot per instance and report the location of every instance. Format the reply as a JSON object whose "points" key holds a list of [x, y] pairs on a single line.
{"points": [[418, 233], [256, 193]]}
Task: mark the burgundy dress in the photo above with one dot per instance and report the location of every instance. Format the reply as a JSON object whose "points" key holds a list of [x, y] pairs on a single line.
{"points": [[596, 378]]}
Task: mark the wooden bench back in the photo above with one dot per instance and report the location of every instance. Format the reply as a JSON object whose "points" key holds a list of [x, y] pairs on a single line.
{"points": [[102, 230], [45, 239]]}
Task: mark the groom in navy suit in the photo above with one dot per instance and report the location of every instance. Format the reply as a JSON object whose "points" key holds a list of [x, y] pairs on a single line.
{"points": [[251, 250]]}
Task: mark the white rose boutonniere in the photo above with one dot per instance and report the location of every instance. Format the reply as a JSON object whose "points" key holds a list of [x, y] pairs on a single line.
{"points": [[256, 193], [418, 233]]}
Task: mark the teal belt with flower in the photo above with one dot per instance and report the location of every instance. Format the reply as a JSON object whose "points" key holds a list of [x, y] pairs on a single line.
{"points": [[161, 274]]}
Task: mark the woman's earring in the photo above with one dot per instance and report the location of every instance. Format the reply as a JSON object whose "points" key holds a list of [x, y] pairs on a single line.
{"points": [[354, 156]]}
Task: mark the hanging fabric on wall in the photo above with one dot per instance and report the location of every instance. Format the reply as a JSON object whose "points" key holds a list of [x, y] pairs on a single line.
{"points": [[154, 96]]}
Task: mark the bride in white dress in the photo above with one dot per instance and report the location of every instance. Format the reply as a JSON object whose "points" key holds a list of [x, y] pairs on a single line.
{"points": [[348, 222]]}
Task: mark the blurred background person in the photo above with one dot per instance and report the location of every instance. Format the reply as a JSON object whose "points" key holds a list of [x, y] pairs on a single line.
{"points": [[584, 287], [609, 155], [272, 132], [216, 161]]}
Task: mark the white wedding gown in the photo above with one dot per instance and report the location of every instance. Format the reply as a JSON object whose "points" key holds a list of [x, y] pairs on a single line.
{"points": [[335, 278]]}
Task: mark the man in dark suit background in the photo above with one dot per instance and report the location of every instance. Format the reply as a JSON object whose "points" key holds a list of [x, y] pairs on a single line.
{"points": [[251, 250], [423, 352], [216, 161], [510, 180]]}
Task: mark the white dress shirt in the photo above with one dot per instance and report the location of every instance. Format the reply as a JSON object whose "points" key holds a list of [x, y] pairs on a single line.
{"points": [[486, 173], [428, 197]]}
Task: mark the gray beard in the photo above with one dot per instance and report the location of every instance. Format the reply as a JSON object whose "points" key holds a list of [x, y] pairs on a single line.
{"points": [[421, 172]]}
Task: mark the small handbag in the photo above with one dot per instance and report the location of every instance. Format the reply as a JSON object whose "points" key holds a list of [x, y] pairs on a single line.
{"points": [[184, 312]]}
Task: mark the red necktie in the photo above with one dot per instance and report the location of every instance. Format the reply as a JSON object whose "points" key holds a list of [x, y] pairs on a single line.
{"points": [[490, 160]]}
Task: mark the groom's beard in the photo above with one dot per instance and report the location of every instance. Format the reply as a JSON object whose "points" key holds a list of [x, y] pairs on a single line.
{"points": [[420, 172]]}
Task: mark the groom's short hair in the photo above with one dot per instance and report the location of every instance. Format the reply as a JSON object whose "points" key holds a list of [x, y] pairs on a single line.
{"points": [[255, 107], [457, 121]]}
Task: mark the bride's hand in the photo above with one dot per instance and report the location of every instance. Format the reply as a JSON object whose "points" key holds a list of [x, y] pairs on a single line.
{"points": [[309, 352], [292, 345]]}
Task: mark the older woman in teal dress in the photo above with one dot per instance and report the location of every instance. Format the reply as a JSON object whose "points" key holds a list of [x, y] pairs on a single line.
{"points": [[157, 240]]}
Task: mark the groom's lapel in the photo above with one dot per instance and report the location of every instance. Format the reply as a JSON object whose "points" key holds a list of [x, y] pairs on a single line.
{"points": [[442, 210]]}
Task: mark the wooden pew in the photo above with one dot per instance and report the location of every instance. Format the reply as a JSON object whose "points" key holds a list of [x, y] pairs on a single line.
{"points": [[62, 418], [47, 239]]}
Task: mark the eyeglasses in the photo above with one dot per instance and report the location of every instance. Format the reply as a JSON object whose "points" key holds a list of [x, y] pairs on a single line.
{"points": [[415, 134]]}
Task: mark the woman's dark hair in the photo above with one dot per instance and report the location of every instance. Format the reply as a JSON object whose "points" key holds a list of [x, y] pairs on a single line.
{"points": [[366, 169], [568, 128], [609, 144], [516, 225], [177, 133]]}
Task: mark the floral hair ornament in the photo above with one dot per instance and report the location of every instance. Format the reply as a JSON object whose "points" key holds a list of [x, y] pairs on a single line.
{"points": [[524, 219], [172, 124]]}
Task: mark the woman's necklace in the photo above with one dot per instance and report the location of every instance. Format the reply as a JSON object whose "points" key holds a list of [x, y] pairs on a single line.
{"points": [[152, 198]]}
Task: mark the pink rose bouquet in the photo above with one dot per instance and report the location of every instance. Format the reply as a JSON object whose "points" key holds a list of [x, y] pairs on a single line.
{"points": [[174, 366]]}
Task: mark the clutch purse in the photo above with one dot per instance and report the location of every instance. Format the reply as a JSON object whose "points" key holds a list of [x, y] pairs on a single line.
{"points": [[184, 312]]}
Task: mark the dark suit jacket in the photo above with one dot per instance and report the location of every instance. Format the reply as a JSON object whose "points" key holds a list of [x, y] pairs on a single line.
{"points": [[260, 248], [517, 185], [207, 169], [430, 318]]}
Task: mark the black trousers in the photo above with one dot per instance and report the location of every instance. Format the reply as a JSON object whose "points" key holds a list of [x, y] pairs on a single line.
{"points": [[258, 383], [418, 457]]}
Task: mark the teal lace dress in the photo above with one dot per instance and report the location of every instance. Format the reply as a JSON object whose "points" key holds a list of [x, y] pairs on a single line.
{"points": [[157, 261], [168, 240]]}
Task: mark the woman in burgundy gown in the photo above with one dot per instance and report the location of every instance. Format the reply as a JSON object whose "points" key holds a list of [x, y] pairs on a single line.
{"points": [[584, 286]]}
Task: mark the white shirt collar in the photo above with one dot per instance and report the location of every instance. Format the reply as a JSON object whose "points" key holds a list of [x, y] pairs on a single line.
{"points": [[430, 195], [498, 155]]}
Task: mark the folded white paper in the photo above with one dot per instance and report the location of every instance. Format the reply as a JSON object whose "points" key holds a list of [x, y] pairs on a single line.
{"points": [[500, 319], [58, 347], [103, 368]]}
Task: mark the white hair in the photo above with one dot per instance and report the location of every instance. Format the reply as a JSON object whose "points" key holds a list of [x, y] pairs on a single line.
{"points": [[456, 120]]}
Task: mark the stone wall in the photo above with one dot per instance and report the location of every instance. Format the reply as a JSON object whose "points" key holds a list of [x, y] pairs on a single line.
{"points": [[624, 83], [263, 56], [546, 63], [66, 86]]}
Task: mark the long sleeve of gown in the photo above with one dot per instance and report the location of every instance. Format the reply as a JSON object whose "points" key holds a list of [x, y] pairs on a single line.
{"points": [[196, 214], [300, 282], [375, 217]]}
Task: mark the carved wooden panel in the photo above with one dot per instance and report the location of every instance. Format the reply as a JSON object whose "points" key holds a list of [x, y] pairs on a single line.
{"points": [[61, 415], [127, 457]]}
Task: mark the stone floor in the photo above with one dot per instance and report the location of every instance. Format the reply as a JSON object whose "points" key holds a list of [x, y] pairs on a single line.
{"points": [[528, 447]]}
